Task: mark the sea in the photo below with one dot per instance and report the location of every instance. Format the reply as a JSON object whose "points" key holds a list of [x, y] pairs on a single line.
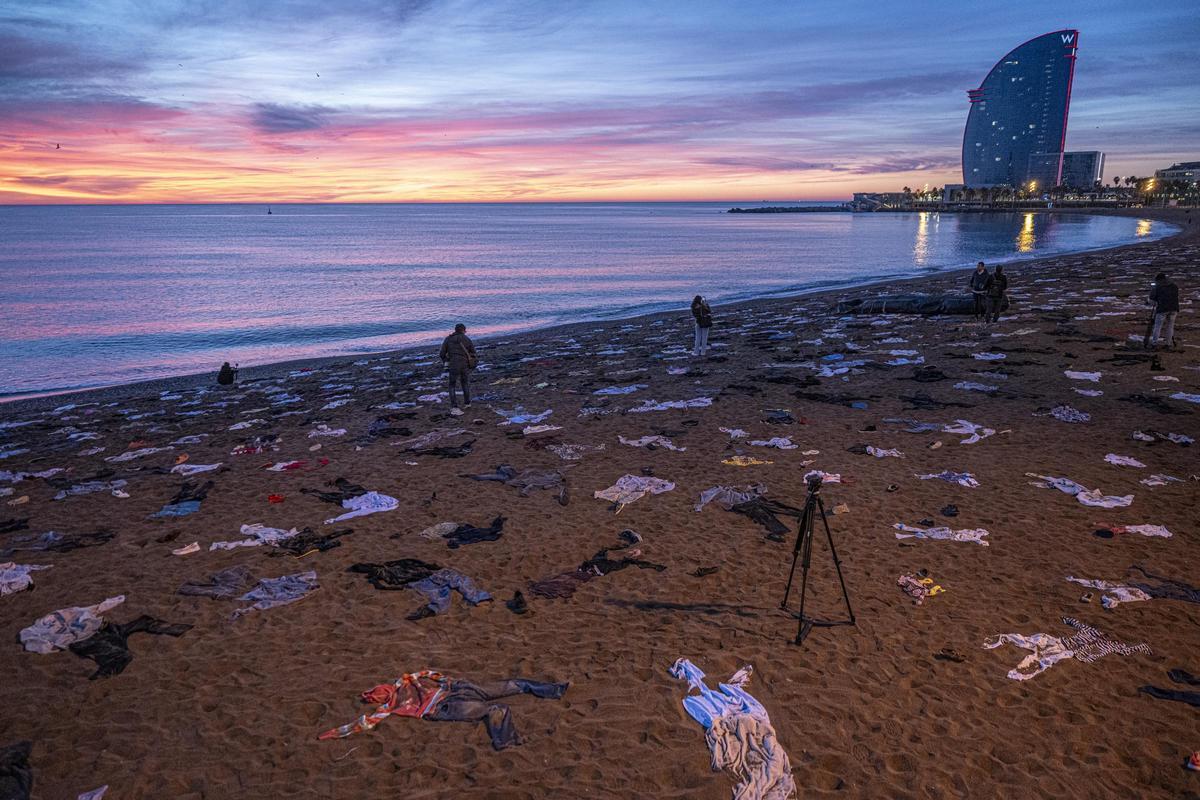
{"points": [[101, 295]]}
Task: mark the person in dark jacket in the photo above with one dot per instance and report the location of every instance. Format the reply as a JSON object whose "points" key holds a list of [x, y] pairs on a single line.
{"points": [[226, 375], [703, 315], [1165, 296], [458, 354], [997, 286], [978, 285]]}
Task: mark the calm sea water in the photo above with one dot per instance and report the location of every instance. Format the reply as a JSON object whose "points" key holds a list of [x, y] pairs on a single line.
{"points": [[101, 295]]}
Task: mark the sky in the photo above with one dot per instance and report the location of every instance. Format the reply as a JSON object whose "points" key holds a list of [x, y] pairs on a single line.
{"points": [[151, 101]]}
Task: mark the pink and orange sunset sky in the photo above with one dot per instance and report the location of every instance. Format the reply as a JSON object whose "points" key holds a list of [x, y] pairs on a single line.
{"points": [[111, 101]]}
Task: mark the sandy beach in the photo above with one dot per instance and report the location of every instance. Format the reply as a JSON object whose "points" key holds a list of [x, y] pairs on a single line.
{"points": [[232, 707]]}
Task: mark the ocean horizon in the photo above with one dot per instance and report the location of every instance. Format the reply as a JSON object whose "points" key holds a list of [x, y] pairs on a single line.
{"points": [[99, 295]]}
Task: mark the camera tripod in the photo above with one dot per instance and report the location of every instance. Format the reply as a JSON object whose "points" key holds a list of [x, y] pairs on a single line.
{"points": [[802, 553]]}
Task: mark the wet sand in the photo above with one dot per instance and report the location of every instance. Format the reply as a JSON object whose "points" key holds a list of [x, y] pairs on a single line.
{"points": [[232, 708]]}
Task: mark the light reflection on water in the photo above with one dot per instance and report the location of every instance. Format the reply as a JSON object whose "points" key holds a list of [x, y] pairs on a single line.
{"points": [[109, 294]]}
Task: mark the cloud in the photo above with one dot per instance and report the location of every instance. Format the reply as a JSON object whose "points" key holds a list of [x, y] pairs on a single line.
{"points": [[24, 58], [275, 118]]}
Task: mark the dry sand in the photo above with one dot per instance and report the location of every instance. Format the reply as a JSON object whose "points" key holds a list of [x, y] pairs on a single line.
{"points": [[232, 709]]}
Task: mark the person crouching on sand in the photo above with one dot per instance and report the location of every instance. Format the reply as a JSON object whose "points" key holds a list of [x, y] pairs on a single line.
{"points": [[703, 315], [458, 354], [978, 284]]}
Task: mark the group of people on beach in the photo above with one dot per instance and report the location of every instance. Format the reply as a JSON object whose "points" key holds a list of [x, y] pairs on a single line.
{"points": [[989, 290]]}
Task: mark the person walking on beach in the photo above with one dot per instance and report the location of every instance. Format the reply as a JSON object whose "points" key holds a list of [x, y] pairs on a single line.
{"points": [[703, 315], [458, 354], [997, 286], [978, 284], [1165, 296]]}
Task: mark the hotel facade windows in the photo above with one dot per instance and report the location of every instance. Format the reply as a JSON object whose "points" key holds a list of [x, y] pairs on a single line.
{"points": [[1019, 112]]}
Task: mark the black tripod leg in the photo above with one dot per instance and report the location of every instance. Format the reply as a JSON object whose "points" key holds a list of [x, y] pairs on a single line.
{"points": [[792, 575], [803, 626], [837, 563]]}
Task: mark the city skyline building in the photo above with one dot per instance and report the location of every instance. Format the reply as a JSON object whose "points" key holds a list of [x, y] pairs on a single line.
{"points": [[1020, 111]]}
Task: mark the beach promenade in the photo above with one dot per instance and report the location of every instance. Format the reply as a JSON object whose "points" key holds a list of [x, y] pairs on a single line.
{"points": [[1048, 447]]}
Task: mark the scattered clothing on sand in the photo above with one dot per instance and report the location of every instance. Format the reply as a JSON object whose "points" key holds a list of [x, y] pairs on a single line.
{"points": [[434, 696], [109, 647], [1088, 497], [734, 433], [1123, 461], [739, 734], [519, 416], [573, 452], [14, 524], [91, 487], [193, 469], [186, 501], [629, 488], [1156, 436], [652, 443], [256, 535], [369, 503], [132, 454], [469, 534], [1144, 530], [613, 390], [526, 480], [1065, 413], [1094, 377], [55, 542], [324, 430], [395, 575], [607, 560], [965, 535], [345, 490], [437, 589], [58, 629], [1191, 698], [1114, 593], [651, 405], [223, 585], [1160, 587], [1158, 479], [16, 578], [919, 587], [272, 592], [881, 453], [745, 461], [16, 776], [826, 477], [961, 478], [728, 496], [1088, 645], [307, 542], [766, 513], [778, 442]]}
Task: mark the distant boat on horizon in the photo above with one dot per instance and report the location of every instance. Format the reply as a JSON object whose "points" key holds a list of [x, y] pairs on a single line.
{"points": [[269, 210]]}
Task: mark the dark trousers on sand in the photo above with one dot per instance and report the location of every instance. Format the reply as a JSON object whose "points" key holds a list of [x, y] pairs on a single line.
{"points": [[469, 702], [980, 301], [458, 374], [993, 309]]}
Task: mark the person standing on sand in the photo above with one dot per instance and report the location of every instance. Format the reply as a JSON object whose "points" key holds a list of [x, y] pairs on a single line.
{"points": [[997, 286], [1165, 296], [458, 354], [978, 284], [703, 315]]}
